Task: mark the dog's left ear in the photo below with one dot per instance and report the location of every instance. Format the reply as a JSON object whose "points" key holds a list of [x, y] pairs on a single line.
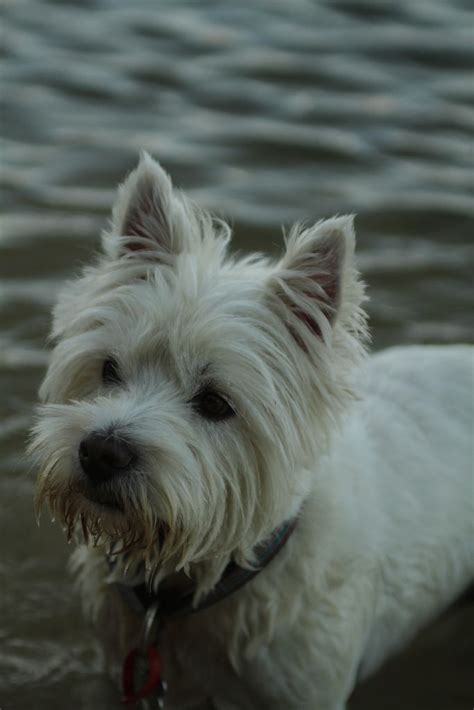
{"points": [[315, 282], [149, 215]]}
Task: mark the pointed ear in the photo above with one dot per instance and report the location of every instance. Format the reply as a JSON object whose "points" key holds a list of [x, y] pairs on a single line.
{"points": [[315, 281], [148, 214]]}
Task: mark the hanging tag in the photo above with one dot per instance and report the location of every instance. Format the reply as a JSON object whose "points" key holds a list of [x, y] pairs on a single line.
{"points": [[141, 678]]}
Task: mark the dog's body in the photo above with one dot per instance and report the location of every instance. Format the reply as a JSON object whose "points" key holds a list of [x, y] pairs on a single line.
{"points": [[373, 455]]}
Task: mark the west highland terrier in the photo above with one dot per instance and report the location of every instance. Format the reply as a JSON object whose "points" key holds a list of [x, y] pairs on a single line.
{"points": [[265, 513]]}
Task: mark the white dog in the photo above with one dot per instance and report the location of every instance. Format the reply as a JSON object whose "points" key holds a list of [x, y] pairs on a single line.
{"points": [[205, 413]]}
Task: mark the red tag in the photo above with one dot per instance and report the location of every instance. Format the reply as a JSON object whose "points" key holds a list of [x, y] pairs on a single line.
{"points": [[129, 672]]}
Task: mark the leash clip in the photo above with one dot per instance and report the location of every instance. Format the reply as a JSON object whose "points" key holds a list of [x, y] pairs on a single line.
{"points": [[151, 627], [142, 667]]}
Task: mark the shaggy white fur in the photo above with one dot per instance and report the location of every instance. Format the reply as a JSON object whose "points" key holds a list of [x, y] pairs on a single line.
{"points": [[374, 454]]}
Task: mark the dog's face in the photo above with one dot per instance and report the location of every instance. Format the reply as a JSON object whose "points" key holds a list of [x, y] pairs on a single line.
{"points": [[189, 391]]}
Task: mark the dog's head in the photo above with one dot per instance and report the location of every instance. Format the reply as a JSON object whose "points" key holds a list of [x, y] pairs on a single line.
{"points": [[189, 391]]}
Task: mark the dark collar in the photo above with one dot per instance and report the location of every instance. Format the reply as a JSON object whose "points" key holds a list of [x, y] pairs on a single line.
{"points": [[172, 602]]}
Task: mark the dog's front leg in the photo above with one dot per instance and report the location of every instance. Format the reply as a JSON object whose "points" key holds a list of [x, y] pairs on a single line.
{"points": [[300, 687], [312, 663]]}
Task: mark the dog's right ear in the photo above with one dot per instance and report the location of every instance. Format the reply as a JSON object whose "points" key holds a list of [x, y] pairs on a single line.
{"points": [[148, 216]]}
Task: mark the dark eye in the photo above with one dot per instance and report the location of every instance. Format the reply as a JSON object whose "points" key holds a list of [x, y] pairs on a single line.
{"points": [[211, 405], [110, 373]]}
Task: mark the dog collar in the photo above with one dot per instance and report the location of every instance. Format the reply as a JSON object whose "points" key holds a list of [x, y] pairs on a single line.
{"points": [[141, 676], [177, 603]]}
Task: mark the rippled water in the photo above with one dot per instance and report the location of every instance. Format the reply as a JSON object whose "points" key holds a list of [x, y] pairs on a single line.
{"points": [[266, 111]]}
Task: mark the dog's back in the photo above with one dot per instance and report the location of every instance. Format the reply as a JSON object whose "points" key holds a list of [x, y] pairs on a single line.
{"points": [[418, 419]]}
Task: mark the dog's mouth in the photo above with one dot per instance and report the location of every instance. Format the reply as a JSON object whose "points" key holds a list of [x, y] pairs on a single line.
{"points": [[104, 501], [103, 497], [103, 511]]}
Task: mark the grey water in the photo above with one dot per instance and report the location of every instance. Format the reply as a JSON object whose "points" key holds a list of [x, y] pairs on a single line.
{"points": [[266, 111]]}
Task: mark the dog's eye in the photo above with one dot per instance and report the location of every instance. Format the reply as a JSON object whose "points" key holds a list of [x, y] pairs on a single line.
{"points": [[110, 373], [212, 406]]}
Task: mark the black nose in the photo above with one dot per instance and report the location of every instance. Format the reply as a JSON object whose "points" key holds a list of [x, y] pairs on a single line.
{"points": [[105, 455]]}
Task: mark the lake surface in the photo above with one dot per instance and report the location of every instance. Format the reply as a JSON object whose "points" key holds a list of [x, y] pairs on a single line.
{"points": [[266, 112]]}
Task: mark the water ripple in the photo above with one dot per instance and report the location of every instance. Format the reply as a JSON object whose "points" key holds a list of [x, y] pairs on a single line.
{"points": [[267, 112]]}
